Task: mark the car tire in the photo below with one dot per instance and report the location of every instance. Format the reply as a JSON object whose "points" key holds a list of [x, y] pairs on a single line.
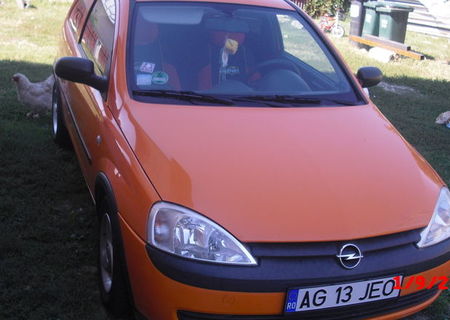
{"points": [[113, 277], [59, 129]]}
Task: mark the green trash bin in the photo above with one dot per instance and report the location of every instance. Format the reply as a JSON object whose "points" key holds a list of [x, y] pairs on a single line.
{"points": [[371, 18], [393, 21]]}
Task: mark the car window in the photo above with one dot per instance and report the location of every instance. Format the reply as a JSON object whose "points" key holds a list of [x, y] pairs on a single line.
{"points": [[300, 43], [98, 35], [229, 50], [77, 16]]}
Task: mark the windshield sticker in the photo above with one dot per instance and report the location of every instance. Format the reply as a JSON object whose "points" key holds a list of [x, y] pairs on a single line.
{"points": [[147, 67], [160, 77], [144, 79], [232, 70]]}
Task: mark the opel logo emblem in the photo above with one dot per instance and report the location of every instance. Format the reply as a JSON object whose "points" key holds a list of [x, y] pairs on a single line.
{"points": [[349, 256]]}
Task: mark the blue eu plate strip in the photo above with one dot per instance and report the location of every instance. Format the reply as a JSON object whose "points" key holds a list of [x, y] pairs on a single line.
{"points": [[291, 303]]}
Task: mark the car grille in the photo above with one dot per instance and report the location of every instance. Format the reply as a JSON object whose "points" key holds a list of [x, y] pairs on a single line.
{"points": [[361, 311]]}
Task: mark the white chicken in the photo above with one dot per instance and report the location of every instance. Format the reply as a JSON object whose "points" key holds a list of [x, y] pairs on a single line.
{"points": [[37, 96], [23, 4], [443, 118]]}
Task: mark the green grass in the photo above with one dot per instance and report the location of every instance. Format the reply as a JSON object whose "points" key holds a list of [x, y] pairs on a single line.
{"points": [[47, 224], [47, 221]]}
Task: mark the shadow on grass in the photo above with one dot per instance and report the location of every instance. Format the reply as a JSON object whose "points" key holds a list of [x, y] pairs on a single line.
{"points": [[47, 220], [426, 56], [36, 71]]}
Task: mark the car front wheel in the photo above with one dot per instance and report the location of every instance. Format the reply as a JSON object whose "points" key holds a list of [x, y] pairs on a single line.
{"points": [[113, 279]]}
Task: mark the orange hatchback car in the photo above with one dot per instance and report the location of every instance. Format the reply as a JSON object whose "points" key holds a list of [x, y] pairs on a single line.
{"points": [[238, 169]]}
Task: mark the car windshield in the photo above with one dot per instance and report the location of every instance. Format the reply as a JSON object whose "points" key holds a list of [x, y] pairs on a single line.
{"points": [[217, 53]]}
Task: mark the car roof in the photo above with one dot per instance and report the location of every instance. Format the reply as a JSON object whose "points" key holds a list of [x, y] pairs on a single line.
{"points": [[281, 4]]}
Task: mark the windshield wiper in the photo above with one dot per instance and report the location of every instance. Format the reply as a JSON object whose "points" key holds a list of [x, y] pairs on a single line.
{"points": [[283, 101], [189, 96], [279, 101]]}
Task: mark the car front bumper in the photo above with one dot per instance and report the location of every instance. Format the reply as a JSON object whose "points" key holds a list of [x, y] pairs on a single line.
{"points": [[166, 287]]}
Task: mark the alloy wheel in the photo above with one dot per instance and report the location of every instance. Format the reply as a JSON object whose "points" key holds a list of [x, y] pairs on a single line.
{"points": [[106, 252]]}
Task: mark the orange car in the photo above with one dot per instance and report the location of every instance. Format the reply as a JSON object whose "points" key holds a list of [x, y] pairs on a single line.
{"points": [[238, 169]]}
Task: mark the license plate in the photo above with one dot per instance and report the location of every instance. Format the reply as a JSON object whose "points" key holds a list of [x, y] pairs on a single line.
{"points": [[344, 294]]}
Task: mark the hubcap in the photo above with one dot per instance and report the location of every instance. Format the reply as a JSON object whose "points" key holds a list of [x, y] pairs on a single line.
{"points": [[106, 253], [55, 114]]}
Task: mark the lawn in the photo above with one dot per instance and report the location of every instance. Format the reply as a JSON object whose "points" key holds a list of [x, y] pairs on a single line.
{"points": [[47, 224]]}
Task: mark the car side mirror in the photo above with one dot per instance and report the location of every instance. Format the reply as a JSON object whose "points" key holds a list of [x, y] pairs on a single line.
{"points": [[369, 76], [80, 70]]}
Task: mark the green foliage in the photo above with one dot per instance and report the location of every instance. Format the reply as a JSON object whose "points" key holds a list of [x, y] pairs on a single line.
{"points": [[316, 8]]}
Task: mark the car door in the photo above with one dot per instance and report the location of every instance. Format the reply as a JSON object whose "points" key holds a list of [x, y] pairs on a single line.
{"points": [[86, 105]]}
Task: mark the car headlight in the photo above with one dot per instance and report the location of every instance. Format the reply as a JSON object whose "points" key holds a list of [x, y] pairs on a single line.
{"points": [[439, 227], [185, 233]]}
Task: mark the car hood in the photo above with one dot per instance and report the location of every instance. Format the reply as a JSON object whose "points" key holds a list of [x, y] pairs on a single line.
{"points": [[284, 175]]}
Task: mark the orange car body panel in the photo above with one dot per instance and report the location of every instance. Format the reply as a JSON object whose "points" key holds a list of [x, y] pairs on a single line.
{"points": [[328, 164], [325, 163]]}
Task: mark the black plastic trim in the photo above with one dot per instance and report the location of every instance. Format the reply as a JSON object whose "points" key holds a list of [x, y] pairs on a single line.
{"points": [[276, 271], [102, 184]]}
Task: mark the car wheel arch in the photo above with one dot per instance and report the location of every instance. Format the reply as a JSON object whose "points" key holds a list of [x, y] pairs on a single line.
{"points": [[104, 192], [103, 189]]}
